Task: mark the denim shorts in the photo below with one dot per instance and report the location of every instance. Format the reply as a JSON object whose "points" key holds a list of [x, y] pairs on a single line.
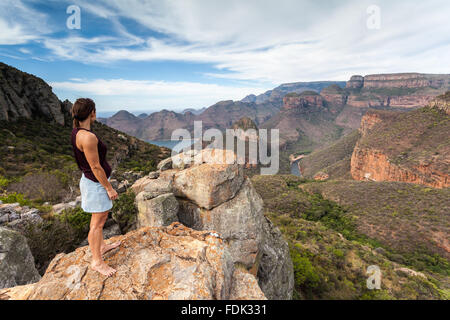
{"points": [[94, 198]]}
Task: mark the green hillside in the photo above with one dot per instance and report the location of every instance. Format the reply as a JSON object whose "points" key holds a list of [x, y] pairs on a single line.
{"points": [[331, 254], [36, 157]]}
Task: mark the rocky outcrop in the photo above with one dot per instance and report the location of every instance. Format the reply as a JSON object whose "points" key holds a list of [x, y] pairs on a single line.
{"points": [[17, 217], [442, 102], [217, 197], [173, 262], [334, 96], [355, 82], [405, 147], [156, 211], [23, 95], [398, 80], [374, 165], [16, 262], [303, 102], [368, 121]]}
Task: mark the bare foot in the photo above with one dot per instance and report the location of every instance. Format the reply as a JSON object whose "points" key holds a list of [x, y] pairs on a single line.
{"points": [[109, 247], [104, 269]]}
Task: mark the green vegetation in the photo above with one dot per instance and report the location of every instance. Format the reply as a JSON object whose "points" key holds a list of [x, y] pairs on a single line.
{"points": [[20, 198], [329, 253], [408, 218], [333, 159], [124, 211], [36, 158], [416, 137], [56, 234]]}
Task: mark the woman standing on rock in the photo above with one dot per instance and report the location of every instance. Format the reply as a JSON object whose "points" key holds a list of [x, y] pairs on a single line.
{"points": [[96, 190]]}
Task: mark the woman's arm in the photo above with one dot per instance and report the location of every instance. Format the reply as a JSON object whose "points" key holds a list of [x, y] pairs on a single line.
{"points": [[90, 150]]}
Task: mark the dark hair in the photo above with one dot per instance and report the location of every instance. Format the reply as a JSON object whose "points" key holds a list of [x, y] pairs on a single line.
{"points": [[81, 110]]}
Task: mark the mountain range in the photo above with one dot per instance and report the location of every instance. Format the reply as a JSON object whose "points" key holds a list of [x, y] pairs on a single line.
{"points": [[320, 112]]}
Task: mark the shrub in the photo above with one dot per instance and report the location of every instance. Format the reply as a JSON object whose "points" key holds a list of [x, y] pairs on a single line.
{"points": [[48, 239], [124, 211], [16, 197]]}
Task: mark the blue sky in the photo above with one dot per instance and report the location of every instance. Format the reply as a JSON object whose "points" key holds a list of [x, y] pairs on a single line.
{"points": [[148, 55]]}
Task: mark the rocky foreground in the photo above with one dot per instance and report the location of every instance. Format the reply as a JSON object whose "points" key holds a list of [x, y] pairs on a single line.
{"points": [[173, 262], [200, 233]]}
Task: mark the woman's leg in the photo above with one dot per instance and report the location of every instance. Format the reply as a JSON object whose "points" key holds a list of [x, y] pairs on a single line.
{"points": [[107, 247], [95, 239]]}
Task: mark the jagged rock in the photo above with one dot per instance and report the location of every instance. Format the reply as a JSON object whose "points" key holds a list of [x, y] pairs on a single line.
{"points": [[122, 187], [165, 164], [162, 184], [60, 207], [173, 262], [153, 175], [276, 271], [238, 221], [16, 262], [24, 95], [114, 183], [208, 185], [409, 273], [156, 211], [245, 287]]}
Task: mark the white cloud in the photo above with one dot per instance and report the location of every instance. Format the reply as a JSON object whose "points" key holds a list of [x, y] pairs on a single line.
{"points": [[275, 41], [20, 24], [116, 94]]}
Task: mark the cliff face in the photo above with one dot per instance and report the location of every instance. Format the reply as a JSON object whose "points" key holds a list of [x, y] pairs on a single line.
{"points": [[24, 95], [401, 90], [303, 103], [406, 147], [374, 165]]}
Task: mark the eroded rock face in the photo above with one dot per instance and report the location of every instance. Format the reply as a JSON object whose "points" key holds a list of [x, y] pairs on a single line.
{"points": [[173, 262], [24, 95], [275, 271], [16, 262], [374, 165]]}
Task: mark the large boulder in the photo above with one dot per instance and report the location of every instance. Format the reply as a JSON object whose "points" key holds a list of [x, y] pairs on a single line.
{"points": [[16, 261], [160, 183], [156, 211], [208, 185], [173, 262], [238, 221], [216, 197]]}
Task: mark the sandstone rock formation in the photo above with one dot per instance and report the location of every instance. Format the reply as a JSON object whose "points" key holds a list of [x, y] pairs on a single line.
{"points": [[406, 147], [173, 262], [16, 262], [24, 95], [217, 197]]}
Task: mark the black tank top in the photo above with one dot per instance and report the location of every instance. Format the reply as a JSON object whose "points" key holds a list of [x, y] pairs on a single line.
{"points": [[83, 164]]}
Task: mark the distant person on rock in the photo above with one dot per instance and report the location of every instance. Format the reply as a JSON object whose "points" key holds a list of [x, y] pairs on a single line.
{"points": [[96, 190]]}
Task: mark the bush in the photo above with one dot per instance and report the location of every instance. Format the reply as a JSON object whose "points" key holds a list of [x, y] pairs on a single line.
{"points": [[16, 197], [48, 239], [41, 187], [124, 211], [57, 234]]}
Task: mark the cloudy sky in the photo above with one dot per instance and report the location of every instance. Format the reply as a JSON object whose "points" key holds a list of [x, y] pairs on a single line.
{"points": [[145, 55]]}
